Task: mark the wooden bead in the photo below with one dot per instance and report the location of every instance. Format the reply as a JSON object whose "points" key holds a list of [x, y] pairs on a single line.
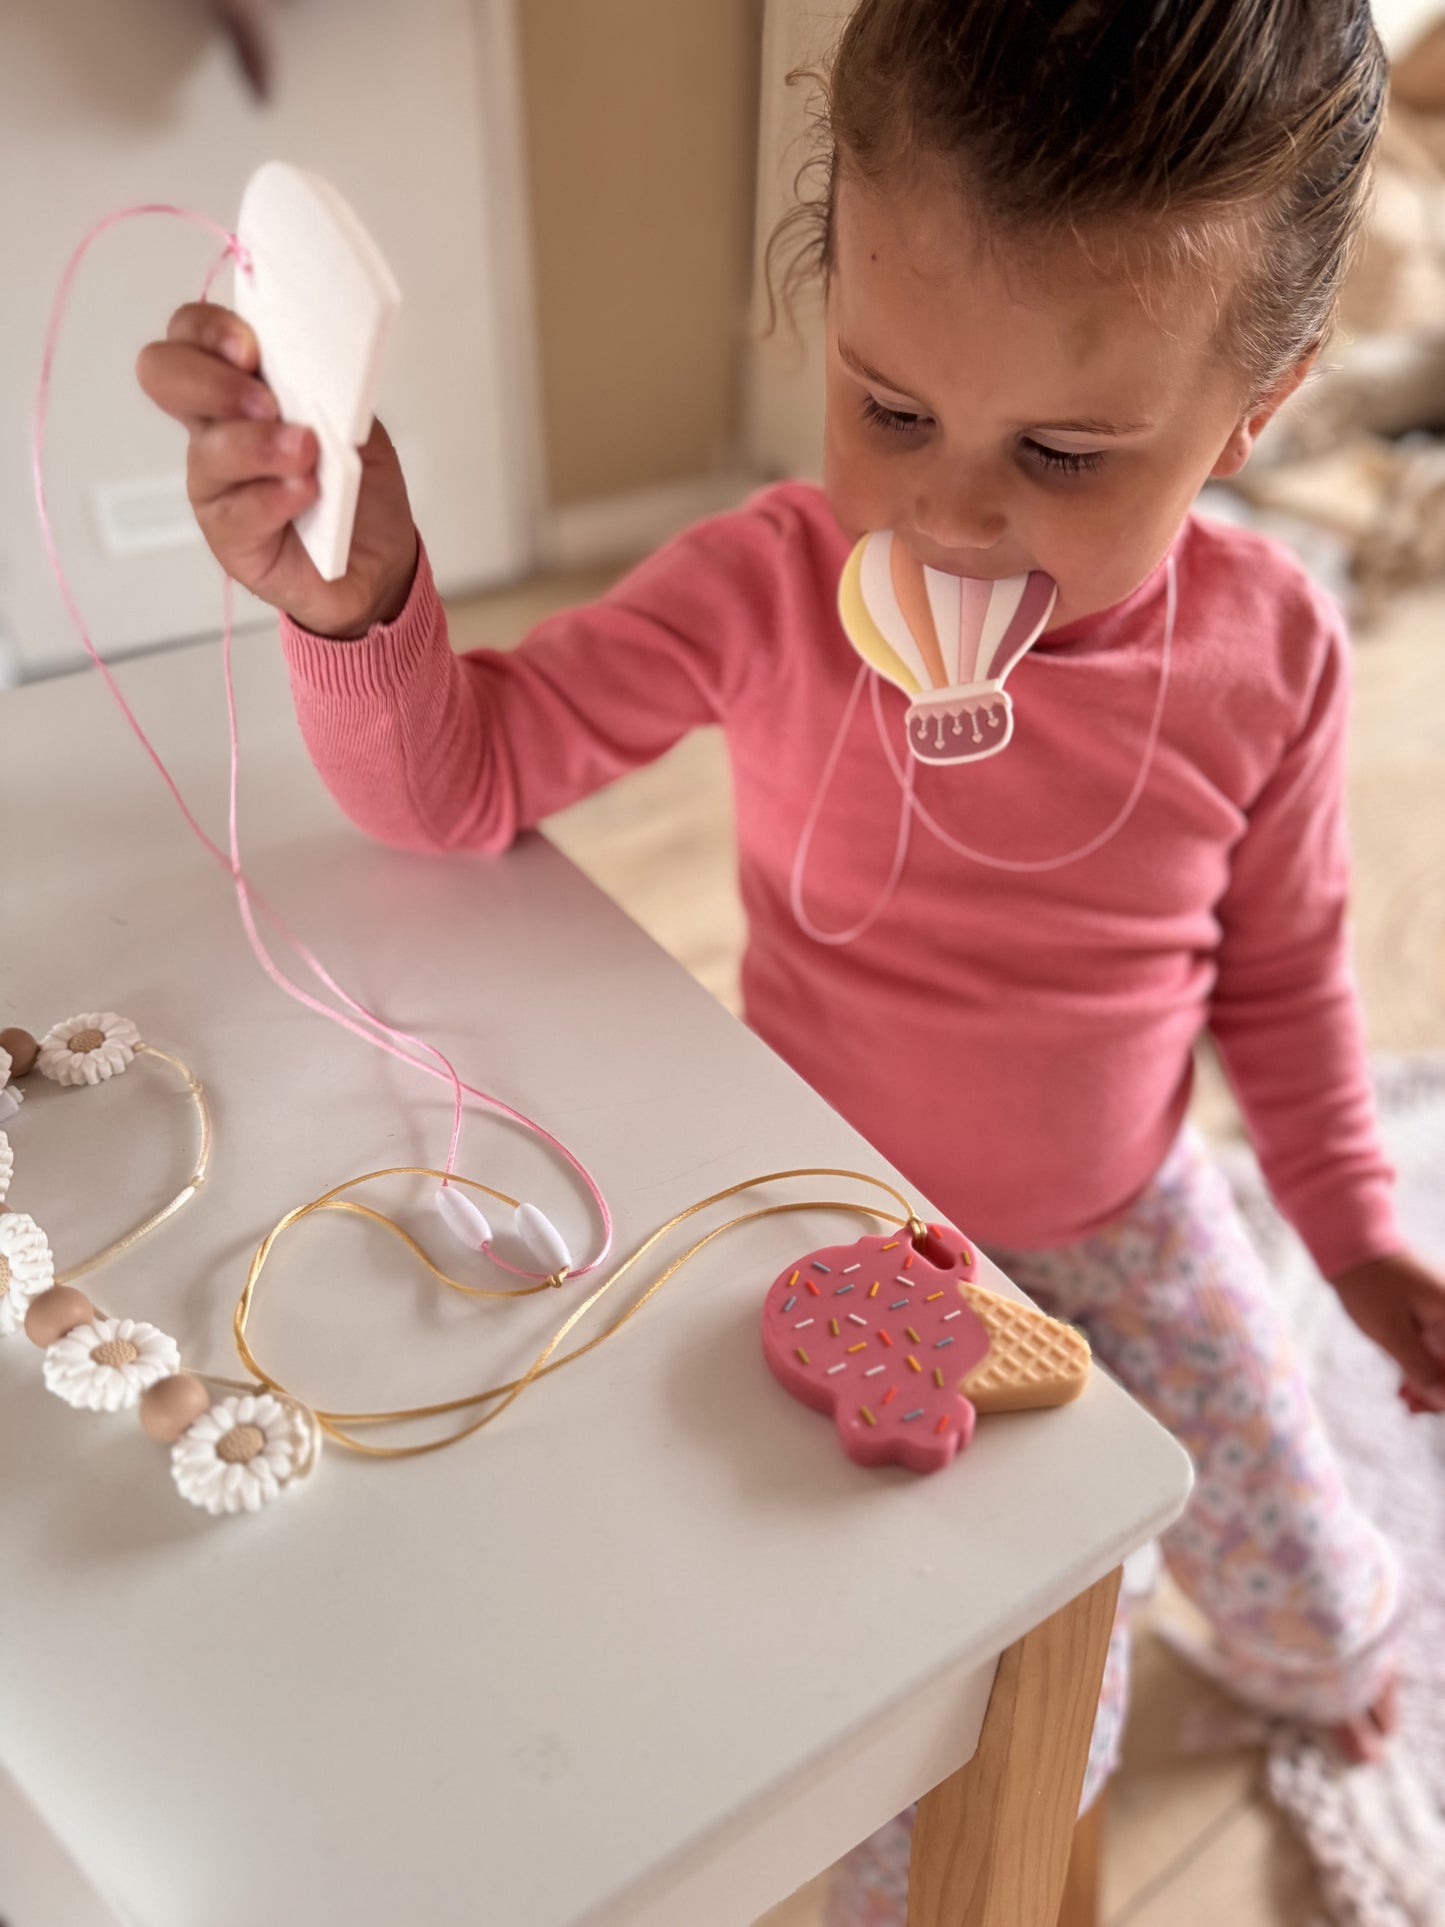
{"points": [[23, 1051], [56, 1312], [171, 1406]]}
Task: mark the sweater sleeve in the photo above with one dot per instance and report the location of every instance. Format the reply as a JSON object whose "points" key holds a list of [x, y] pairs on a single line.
{"points": [[1286, 1013], [430, 750]]}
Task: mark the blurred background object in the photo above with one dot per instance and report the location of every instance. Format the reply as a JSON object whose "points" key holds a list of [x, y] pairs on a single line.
{"points": [[251, 27]]}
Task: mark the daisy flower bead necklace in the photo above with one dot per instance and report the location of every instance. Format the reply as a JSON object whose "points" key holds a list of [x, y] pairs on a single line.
{"points": [[233, 1455]]}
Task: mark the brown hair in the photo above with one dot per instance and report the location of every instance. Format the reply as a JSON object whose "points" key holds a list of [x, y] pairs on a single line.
{"points": [[1172, 116]]}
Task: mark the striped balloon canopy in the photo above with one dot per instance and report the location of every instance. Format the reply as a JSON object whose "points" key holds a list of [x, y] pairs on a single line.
{"points": [[947, 641]]}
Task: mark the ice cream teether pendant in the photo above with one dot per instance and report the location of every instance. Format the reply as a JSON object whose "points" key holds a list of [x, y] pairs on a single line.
{"points": [[904, 1347], [947, 641]]}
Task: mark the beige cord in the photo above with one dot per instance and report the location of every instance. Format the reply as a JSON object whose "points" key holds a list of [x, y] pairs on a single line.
{"points": [[499, 1397]]}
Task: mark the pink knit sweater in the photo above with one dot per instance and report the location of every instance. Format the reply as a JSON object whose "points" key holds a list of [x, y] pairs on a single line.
{"points": [[1018, 1045]]}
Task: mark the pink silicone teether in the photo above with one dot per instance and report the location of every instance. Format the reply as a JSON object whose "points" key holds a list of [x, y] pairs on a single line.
{"points": [[878, 1334]]}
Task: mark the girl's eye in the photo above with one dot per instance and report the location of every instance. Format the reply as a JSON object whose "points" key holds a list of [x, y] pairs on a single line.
{"points": [[896, 421], [1063, 462]]}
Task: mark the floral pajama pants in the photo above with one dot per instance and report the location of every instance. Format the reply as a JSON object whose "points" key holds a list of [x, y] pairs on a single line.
{"points": [[1301, 1592]]}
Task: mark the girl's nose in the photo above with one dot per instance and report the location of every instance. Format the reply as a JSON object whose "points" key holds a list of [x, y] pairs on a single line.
{"points": [[960, 513]]}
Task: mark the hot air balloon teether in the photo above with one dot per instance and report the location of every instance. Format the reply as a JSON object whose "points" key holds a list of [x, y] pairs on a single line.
{"points": [[905, 1349], [947, 641]]}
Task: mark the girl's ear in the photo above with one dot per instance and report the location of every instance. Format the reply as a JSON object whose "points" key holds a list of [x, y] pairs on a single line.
{"points": [[1238, 449]]}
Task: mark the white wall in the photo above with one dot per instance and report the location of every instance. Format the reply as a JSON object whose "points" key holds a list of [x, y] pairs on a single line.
{"points": [[1400, 21], [104, 102]]}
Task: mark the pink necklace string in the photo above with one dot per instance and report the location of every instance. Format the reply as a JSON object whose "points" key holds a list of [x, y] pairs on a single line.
{"points": [[910, 806], [401, 1044]]}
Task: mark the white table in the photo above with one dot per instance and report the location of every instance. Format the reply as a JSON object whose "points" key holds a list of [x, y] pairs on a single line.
{"points": [[650, 1650]]}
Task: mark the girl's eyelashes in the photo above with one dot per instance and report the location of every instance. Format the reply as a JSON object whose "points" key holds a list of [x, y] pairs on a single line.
{"points": [[1056, 461], [895, 421], [1064, 461]]}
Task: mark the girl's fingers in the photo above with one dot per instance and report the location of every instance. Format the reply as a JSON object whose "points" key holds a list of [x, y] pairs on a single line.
{"points": [[195, 386], [207, 325], [245, 521], [227, 455]]}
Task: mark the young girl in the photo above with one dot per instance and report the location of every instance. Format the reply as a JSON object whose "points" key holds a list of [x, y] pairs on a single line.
{"points": [[1076, 253]]}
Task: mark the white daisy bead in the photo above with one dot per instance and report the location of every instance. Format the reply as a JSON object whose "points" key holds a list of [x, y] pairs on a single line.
{"points": [[239, 1455], [7, 1064], [26, 1268], [89, 1048], [11, 1098], [7, 1167], [105, 1365]]}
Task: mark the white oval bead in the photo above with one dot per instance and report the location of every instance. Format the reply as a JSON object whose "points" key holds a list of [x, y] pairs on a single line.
{"points": [[542, 1239], [462, 1218]]}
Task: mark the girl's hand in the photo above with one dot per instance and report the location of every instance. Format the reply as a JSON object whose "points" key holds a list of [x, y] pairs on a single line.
{"points": [[1400, 1303], [248, 475]]}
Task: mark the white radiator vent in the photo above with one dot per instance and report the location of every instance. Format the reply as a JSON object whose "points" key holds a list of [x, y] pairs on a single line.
{"points": [[143, 514]]}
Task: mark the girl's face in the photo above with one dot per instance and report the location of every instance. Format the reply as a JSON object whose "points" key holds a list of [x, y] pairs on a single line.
{"points": [[1004, 406]]}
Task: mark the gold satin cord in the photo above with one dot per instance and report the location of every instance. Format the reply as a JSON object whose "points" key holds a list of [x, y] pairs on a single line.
{"points": [[196, 1092], [499, 1397]]}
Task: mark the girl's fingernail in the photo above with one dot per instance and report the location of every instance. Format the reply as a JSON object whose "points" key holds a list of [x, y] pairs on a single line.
{"points": [[237, 349], [259, 404], [291, 440]]}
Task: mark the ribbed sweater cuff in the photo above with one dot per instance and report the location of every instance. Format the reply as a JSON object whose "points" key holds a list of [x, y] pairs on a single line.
{"points": [[1352, 1227], [374, 666]]}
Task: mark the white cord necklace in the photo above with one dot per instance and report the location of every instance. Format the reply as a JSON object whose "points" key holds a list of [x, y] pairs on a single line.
{"points": [[904, 775]]}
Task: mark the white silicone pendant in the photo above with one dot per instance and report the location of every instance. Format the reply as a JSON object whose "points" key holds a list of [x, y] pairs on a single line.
{"points": [[462, 1218], [319, 295], [543, 1240]]}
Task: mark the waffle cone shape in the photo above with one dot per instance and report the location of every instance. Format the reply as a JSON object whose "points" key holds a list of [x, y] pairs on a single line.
{"points": [[1032, 1360]]}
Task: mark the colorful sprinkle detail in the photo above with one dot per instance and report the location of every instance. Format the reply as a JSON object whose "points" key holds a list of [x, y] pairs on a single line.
{"points": [[913, 1364], [932, 1296], [913, 1334], [804, 1356], [868, 1416], [861, 1346], [883, 1338], [854, 1319], [890, 1395], [912, 1415], [791, 1302], [874, 1370], [939, 1343], [841, 1366]]}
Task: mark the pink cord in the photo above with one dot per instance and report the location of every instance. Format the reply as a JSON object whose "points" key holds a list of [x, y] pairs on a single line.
{"points": [[805, 842], [911, 807], [393, 1041]]}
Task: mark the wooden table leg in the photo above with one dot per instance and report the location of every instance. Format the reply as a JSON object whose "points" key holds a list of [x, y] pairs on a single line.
{"points": [[991, 1846]]}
